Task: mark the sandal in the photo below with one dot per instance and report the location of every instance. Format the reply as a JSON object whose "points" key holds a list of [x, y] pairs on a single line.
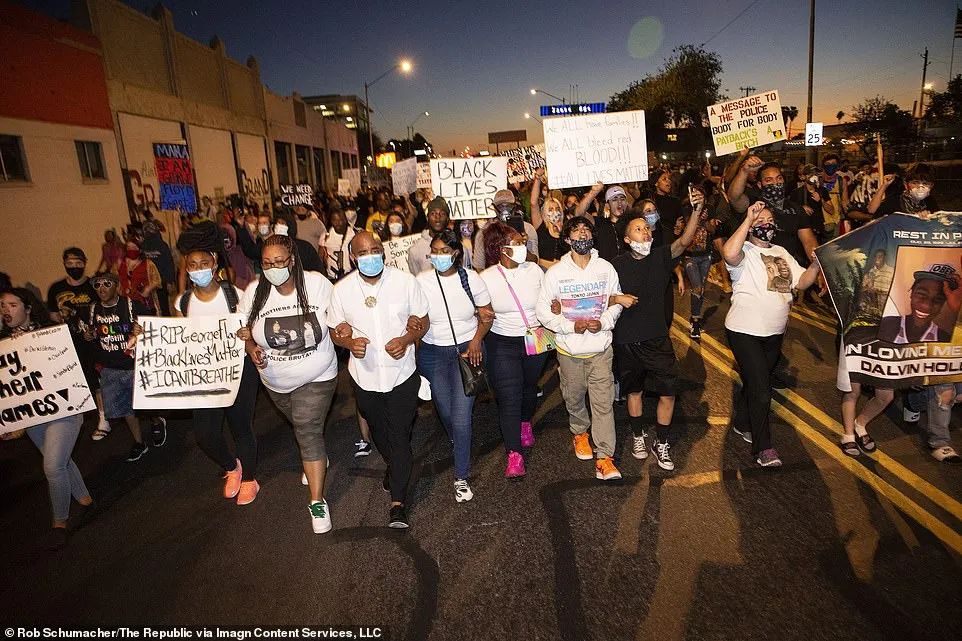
{"points": [[849, 448], [866, 444], [99, 434]]}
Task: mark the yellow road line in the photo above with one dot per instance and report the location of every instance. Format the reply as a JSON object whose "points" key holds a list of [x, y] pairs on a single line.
{"points": [[814, 313], [814, 323], [946, 534]]}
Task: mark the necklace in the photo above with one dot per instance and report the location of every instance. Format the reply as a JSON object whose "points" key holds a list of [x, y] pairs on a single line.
{"points": [[371, 300]]}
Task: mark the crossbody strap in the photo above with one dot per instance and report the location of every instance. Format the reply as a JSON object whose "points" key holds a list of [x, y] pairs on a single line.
{"points": [[517, 302], [444, 298]]}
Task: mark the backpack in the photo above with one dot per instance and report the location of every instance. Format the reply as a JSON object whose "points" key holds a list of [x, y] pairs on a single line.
{"points": [[229, 293]]}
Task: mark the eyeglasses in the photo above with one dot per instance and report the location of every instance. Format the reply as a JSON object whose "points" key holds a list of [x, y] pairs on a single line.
{"points": [[269, 265], [102, 284]]}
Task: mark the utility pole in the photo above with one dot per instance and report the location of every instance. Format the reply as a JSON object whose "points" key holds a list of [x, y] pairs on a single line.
{"points": [[810, 151], [747, 90], [925, 66]]}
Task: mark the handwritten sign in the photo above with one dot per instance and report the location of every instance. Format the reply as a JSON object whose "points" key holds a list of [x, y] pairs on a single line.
{"points": [[186, 363], [469, 184], [746, 122], [404, 176], [175, 177], [396, 251], [608, 147], [353, 176], [344, 187], [40, 379], [296, 195], [523, 161], [424, 175]]}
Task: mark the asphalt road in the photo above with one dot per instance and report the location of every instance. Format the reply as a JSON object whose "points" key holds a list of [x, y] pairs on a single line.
{"points": [[823, 548]]}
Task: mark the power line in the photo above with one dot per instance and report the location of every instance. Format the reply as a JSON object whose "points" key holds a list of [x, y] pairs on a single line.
{"points": [[730, 22]]}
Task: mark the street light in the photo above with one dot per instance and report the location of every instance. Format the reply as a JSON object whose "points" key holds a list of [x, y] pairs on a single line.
{"points": [[405, 67], [527, 116], [536, 91], [414, 122]]}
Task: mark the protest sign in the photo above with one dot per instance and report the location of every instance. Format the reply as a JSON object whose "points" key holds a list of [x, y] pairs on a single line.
{"points": [[404, 176], [344, 187], [353, 176], [469, 184], [295, 195], [608, 147], [396, 251], [746, 122], [813, 134], [186, 363], [895, 286], [523, 161], [175, 177], [424, 175], [40, 379]]}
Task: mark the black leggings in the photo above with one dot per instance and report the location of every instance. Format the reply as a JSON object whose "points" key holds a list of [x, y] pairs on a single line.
{"points": [[514, 376], [756, 357], [208, 425]]}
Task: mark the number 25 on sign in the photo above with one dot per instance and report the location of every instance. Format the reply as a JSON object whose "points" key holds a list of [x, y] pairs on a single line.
{"points": [[813, 134]]}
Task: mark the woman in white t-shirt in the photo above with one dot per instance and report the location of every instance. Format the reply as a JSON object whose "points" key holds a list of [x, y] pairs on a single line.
{"points": [[514, 286], [209, 297], [300, 378], [456, 298], [763, 277]]}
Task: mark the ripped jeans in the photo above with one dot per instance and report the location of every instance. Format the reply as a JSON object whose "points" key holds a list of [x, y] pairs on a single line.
{"points": [[940, 399], [696, 269]]}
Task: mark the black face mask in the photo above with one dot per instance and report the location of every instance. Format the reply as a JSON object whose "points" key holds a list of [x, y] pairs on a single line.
{"points": [[75, 273]]}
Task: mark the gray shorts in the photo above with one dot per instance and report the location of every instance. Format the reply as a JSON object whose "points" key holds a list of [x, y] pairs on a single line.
{"points": [[306, 409]]}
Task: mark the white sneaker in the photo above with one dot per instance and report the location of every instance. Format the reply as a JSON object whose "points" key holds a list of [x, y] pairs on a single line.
{"points": [[320, 517], [303, 478], [462, 491], [746, 434], [638, 449], [909, 416], [945, 454]]}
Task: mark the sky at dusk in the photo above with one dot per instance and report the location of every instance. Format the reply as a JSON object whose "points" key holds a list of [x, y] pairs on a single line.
{"points": [[474, 62]]}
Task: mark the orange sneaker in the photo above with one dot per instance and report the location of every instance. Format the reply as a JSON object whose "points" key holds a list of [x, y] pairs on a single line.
{"points": [[232, 480], [605, 470], [248, 492], [583, 447]]}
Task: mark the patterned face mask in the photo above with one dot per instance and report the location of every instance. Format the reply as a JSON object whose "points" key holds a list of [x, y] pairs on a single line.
{"points": [[582, 246], [764, 232], [774, 194]]}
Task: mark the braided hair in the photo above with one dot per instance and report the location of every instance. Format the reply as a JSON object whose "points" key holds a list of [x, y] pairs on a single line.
{"points": [[264, 286], [451, 239]]}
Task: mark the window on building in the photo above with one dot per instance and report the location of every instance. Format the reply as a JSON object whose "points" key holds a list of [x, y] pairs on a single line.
{"points": [[353, 161], [300, 114], [13, 162], [302, 156], [319, 167], [282, 153], [91, 157], [336, 164], [345, 160]]}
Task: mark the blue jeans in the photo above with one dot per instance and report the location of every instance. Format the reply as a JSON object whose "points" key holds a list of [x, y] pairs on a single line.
{"points": [[514, 377], [439, 364], [936, 426], [696, 268], [56, 441]]}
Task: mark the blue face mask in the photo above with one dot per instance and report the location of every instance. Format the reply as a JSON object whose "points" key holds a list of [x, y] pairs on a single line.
{"points": [[442, 262], [370, 265], [201, 277], [652, 218]]}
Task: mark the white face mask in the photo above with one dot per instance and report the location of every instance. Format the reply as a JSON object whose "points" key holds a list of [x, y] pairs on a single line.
{"points": [[264, 230], [643, 248], [517, 253], [280, 230], [920, 193], [396, 228]]}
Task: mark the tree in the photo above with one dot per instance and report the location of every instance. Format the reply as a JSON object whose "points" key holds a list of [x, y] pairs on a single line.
{"points": [[946, 107], [877, 118], [789, 114], [678, 94], [839, 116]]}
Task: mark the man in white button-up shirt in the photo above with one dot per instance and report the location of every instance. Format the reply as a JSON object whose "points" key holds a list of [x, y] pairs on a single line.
{"points": [[379, 313]]}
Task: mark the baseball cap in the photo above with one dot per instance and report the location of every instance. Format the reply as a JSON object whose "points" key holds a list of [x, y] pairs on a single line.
{"points": [[438, 203], [503, 196], [937, 271], [614, 192]]}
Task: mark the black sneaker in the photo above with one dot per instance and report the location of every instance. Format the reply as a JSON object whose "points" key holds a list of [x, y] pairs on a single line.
{"points": [[363, 449], [540, 392], [158, 431], [695, 331], [137, 450], [398, 518]]}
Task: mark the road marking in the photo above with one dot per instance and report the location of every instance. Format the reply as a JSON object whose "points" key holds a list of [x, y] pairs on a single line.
{"points": [[811, 321], [946, 534]]}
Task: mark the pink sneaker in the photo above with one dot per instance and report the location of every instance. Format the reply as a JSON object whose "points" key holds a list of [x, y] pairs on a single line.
{"points": [[527, 434], [515, 469]]}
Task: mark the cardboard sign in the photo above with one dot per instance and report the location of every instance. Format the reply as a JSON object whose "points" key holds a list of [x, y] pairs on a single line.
{"points": [[175, 177], [886, 279], [424, 175], [396, 251], [344, 187], [813, 134], [746, 122], [404, 176], [295, 195], [469, 184], [186, 363], [353, 176], [40, 379], [609, 147], [523, 161]]}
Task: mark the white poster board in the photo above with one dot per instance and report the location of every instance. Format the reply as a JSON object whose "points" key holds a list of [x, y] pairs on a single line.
{"points": [[404, 176], [469, 184], [609, 147], [353, 176], [344, 187], [424, 175], [746, 122], [40, 379], [523, 161], [188, 363], [813, 134], [396, 251]]}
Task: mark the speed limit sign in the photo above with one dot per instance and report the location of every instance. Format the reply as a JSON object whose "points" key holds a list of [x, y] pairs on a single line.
{"points": [[813, 134]]}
